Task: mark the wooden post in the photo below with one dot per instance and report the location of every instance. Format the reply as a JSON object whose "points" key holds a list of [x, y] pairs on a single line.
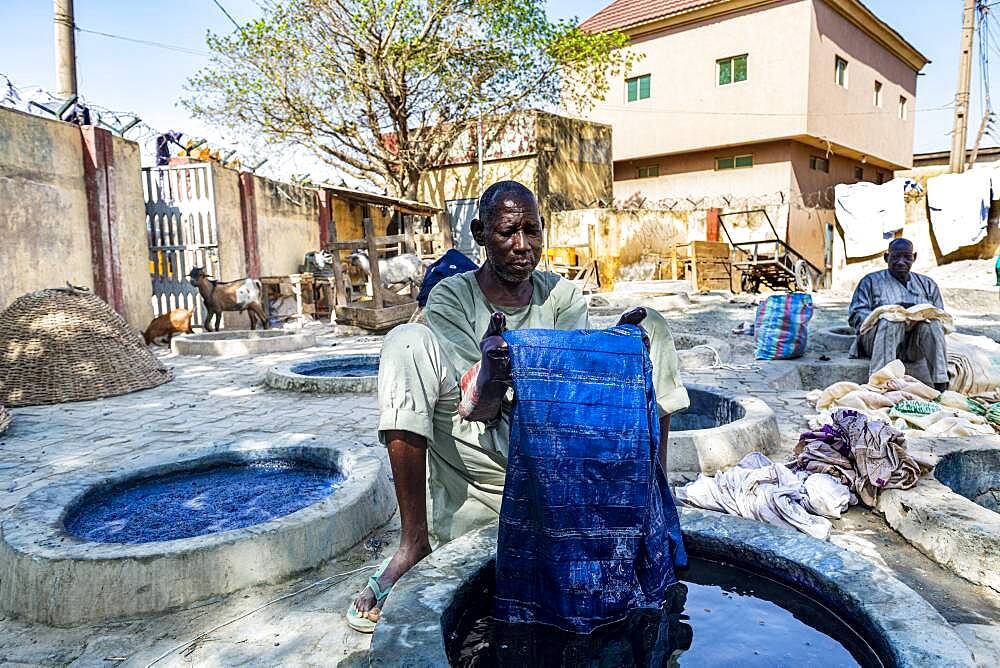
{"points": [[961, 123], [444, 227], [340, 294], [373, 277], [102, 215]]}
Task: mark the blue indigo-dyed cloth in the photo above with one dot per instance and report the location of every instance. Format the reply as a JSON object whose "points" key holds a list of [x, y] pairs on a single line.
{"points": [[588, 528]]}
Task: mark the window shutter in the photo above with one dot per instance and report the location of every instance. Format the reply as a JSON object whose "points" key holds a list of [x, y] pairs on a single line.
{"points": [[633, 86], [725, 72], [643, 87], [740, 68]]}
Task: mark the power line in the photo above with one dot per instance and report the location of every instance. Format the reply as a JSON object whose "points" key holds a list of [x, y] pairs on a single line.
{"points": [[145, 42], [228, 16]]}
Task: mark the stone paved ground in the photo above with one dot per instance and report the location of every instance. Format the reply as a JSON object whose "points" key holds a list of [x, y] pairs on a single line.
{"points": [[223, 402]]}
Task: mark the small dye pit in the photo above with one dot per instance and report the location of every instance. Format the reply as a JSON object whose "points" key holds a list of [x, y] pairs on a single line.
{"points": [[974, 474], [707, 411], [720, 615], [333, 367], [194, 503]]}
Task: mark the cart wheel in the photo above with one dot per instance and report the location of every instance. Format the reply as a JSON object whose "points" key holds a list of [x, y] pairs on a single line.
{"points": [[803, 277]]}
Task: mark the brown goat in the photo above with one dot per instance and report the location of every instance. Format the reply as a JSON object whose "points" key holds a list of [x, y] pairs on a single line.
{"points": [[177, 321], [240, 295]]}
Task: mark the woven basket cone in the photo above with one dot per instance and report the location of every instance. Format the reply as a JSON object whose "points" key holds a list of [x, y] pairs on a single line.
{"points": [[4, 419], [68, 345]]}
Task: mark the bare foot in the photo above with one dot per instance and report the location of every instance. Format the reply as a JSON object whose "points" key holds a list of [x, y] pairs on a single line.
{"points": [[404, 559]]}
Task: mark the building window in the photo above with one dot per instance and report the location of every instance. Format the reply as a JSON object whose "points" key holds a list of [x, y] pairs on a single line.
{"points": [[840, 72], [819, 164], [902, 108], [732, 69], [647, 171], [859, 173], [735, 162], [878, 94], [637, 88]]}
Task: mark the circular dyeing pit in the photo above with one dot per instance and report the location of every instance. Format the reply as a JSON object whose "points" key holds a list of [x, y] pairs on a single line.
{"points": [[340, 374], [169, 534], [753, 595], [717, 431], [954, 516], [834, 339], [242, 342]]}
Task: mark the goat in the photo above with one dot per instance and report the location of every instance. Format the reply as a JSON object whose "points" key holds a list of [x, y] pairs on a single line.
{"points": [[405, 268], [240, 295], [177, 321]]}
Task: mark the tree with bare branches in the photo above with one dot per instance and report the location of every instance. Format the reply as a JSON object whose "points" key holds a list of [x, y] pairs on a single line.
{"points": [[382, 89]]}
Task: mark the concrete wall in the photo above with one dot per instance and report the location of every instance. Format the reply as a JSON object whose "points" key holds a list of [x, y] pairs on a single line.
{"points": [[625, 235], [232, 256], [681, 62], [287, 225], [43, 206], [44, 220], [848, 116], [133, 246], [455, 182]]}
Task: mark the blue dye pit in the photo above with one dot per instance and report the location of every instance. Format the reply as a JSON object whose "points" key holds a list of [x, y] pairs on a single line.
{"points": [[195, 503], [719, 615], [339, 367]]}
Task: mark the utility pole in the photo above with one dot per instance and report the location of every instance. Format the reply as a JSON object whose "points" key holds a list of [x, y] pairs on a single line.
{"points": [[65, 33], [957, 161]]}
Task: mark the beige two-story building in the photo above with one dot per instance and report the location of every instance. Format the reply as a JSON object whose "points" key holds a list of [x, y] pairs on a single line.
{"points": [[740, 104]]}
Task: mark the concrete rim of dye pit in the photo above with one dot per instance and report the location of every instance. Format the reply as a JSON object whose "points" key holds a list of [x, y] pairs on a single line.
{"points": [[290, 376], [746, 424], [242, 342], [951, 529], [693, 351], [834, 339], [91, 582], [902, 628]]}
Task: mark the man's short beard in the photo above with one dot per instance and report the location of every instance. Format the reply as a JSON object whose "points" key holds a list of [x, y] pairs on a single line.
{"points": [[505, 275]]}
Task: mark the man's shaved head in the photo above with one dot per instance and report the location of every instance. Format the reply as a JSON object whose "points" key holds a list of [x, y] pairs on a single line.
{"points": [[900, 258], [900, 245], [489, 202]]}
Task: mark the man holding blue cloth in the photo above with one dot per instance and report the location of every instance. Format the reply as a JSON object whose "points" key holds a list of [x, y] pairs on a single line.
{"points": [[458, 462]]}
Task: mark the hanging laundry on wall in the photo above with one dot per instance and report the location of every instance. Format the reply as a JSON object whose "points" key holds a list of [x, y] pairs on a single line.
{"points": [[870, 214], [960, 207]]}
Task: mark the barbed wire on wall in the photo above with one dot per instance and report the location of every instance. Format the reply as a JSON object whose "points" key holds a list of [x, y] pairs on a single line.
{"points": [[152, 141]]}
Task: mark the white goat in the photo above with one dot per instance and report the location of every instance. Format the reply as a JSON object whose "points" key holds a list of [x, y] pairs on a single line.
{"points": [[405, 268]]}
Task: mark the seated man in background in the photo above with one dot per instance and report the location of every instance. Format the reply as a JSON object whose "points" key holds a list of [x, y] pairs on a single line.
{"points": [[462, 463], [907, 341]]}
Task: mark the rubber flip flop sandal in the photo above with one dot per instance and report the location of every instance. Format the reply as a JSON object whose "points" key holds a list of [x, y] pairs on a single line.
{"points": [[365, 622]]}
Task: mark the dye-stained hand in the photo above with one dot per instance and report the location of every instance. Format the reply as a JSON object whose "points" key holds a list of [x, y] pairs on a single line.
{"points": [[634, 316]]}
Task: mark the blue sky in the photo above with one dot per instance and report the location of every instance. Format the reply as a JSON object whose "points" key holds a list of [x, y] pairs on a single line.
{"points": [[126, 76]]}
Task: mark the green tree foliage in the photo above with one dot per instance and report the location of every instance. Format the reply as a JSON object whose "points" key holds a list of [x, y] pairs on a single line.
{"points": [[381, 89]]}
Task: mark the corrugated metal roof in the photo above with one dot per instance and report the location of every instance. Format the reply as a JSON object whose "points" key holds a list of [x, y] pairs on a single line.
{"points": [[625, 13]]}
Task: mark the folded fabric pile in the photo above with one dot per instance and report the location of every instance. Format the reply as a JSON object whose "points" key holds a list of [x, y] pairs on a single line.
{"points": [[866, 455], [913, 314], [907, 404], [836, 466], [759, 489], [974, 366]]}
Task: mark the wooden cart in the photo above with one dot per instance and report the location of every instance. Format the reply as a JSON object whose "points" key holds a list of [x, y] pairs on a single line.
{"points": [[769, 262]]}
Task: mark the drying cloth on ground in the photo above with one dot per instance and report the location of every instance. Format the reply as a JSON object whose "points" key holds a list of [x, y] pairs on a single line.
{"points": [[868, 214], [959, 207], [759, 489], [866, 455], [588, 529], [913, 314], [973, 365]]}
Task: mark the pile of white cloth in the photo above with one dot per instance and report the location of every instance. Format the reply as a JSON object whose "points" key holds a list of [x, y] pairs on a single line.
{"points": [[759, 489], [886, 390]]}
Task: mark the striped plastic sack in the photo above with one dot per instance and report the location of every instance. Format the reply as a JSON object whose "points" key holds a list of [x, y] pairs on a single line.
{"points": [[588, 528], [781, 326]]}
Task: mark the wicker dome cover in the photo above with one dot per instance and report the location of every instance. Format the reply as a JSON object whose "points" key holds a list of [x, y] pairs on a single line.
{"points": [[68, 345], [4, 419]]}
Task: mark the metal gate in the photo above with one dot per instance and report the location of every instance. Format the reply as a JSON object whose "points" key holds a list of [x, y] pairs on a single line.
{"points": [[461, 212], [182, 232]]}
